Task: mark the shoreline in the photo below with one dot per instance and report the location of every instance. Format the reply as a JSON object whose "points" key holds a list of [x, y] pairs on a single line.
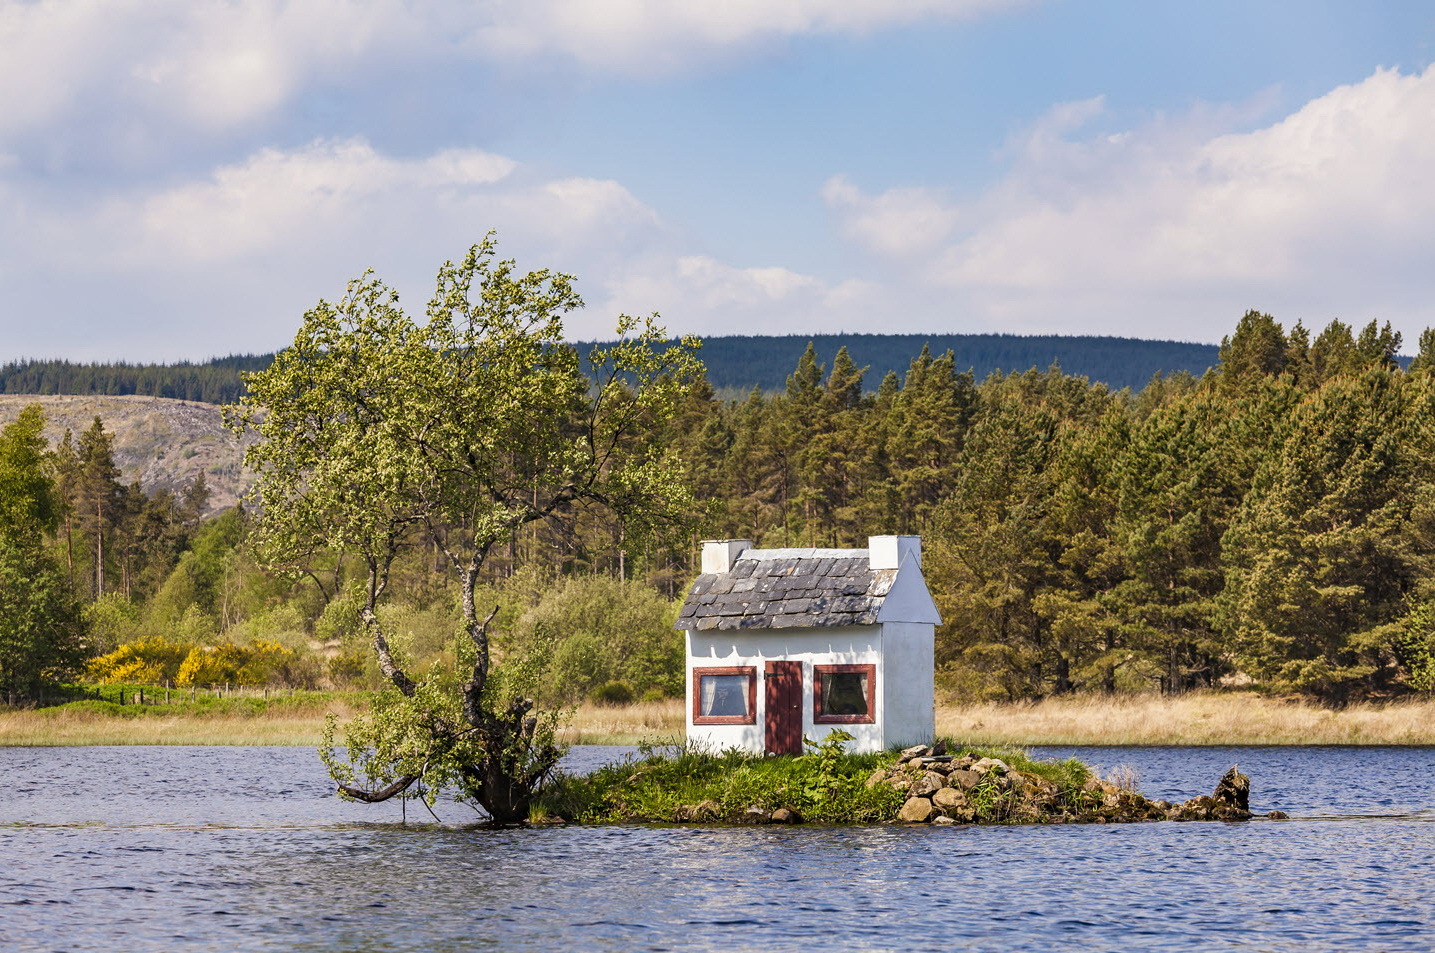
{"points": [[1198, 719], [919, 785], [1204, 719]]}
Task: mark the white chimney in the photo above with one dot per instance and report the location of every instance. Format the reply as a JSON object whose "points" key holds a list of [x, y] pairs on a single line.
{"points": [[888, 552], [720, 554]]}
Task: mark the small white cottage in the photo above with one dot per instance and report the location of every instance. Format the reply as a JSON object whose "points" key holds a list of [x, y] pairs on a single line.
{"points": [[784, 643]]}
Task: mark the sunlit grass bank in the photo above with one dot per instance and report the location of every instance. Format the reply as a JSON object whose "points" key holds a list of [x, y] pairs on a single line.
{"points": [[281, 720], [626, 724], [1204, 718], [1216, 718], [288, 720], [1201, 718]]}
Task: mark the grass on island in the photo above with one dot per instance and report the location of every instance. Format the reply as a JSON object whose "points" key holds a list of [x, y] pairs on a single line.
{"points": [[824, 785], [686, 783], [1201, 718]]}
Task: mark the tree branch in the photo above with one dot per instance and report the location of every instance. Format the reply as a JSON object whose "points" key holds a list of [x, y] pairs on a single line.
{"points": [[374, 797], [387, 665], [473, 688]]}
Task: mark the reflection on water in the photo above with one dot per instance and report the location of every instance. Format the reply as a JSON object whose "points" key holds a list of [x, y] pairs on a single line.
{"points": [[136, 849]]}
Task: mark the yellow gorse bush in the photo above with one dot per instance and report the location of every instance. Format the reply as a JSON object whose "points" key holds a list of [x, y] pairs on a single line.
{"points": [[155, 660], [250, 664], [149, 661]]}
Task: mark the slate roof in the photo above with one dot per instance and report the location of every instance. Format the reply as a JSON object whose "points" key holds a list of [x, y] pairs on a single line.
{"points": [[788, 588]]}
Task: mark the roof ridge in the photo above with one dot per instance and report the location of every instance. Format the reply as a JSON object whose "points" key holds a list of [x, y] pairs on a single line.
{"points": [[809, 552]]}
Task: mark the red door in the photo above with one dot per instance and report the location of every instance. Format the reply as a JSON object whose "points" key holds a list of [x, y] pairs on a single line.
{"points": [[783, 696]]}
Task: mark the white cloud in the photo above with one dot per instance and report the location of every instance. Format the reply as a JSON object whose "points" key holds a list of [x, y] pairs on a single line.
{"points": [[1173, 230], [156, 69], [204, 62], [699, 294], [900, 221], [647, 36], [277, 197], [228, 262]]}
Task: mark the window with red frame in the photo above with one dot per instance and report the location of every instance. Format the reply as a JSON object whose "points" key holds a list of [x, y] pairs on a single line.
{"points": [[725, 695], [844, 694]]}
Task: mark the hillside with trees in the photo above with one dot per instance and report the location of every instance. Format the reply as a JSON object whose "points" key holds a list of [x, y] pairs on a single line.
{"points": [[735, 364], [160, 443], [1269, 522], [216, 381]]}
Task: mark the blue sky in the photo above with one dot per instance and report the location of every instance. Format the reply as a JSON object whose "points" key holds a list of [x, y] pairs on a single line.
{"points": [[181, 179]]}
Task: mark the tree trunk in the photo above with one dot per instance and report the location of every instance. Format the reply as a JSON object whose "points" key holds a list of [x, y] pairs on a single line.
{"points": [[1063, 675], [99, 553]]}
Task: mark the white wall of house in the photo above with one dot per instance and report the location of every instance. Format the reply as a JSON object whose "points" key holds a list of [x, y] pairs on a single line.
{"points": [[909, 619], [909, 716], [901, 652], [836, 645]]}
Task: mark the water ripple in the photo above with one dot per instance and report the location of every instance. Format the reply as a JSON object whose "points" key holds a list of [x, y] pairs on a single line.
{"points": [[245, 849]]}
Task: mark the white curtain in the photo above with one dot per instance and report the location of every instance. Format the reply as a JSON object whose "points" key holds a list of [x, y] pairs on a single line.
{"points": [[724, 695]]}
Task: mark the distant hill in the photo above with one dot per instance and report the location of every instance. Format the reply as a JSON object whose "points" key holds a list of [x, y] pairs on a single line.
{"points": [[735, 364], [741, 363], [212, 382], [161, 443]]}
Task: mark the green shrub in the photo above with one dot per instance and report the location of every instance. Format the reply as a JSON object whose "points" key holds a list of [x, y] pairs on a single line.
{"points": [[603, 630], [353, 668], [112, 620], [421, 635], [340, 622], [613, 693]]}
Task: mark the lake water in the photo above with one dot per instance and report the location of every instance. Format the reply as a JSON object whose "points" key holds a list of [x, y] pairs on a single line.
{"points": [[127, 850]]}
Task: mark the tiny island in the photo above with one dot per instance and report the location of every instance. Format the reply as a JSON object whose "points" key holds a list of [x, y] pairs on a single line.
{"points": [[815, 650], [920, 785]]}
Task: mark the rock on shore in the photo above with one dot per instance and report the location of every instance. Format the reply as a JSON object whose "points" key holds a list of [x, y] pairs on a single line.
{"points": [[969, 789], [972, 789]]}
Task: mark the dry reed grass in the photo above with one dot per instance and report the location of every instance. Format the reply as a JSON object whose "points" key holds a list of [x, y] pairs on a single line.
{"points": [[1216, 718], [627, 724], [68, 726], [1203, 718]]}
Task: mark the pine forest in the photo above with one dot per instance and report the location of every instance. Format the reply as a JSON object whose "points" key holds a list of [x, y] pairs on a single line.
{"points": [[1270, 522]]}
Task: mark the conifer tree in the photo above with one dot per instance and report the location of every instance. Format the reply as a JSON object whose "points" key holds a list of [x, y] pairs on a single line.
{"points": [[98, 499], [41, 630], [1321, 558]]}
